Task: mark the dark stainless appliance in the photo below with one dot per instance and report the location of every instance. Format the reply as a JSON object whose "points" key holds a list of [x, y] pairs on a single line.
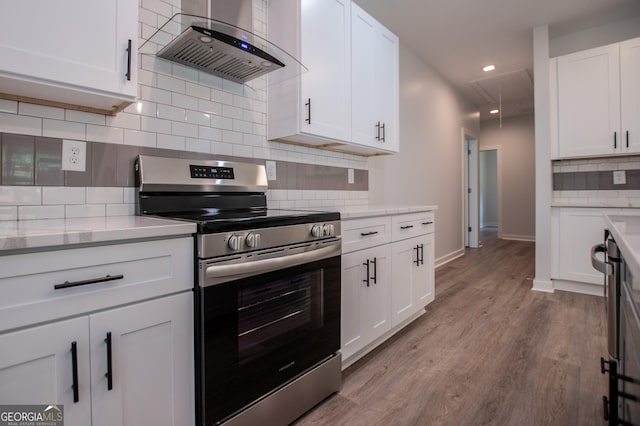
{"points": [[616, 406], [267, 290]]}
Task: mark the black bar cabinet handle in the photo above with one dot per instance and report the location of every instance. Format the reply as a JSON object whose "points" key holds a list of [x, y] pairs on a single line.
{"points": [[417, 261], [367, 279], [68, 284], [366, 234], [603, 362], [375, 271], [378, 131], [615, 139], [308, 105], [384, 133], [406, 227], [74, 367], [627, 139], [422, 254], [428, 223], [109, 373], [129, 60]]}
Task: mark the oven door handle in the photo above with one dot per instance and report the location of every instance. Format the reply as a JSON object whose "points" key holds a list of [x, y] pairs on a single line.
{"points": [[272, 264], [604, 267]]}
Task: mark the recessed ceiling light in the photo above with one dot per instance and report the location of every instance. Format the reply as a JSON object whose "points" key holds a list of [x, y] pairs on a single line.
{"points": [[494, 111], [489, 68]]}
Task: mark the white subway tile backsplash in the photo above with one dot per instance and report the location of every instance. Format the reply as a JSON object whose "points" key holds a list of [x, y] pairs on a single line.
{"points": [[184, 129], [254, 140], [264, 153], [121, 209], [242, 151], [183, 101], [147, 78], [13, 123], [88, 210], [221, 148], [171, 142], [198, 91], [147, 17], [105, 134], [9, 213], [209, 80], [242, 126], [232, 87], [139, 138], [197, 145], [153, 94], [125, 121], [209, 133], [40, 212], [59, 195], [173, 84], [64, 129], [157, 6], [150, 124], [220, 122], [209, 107], [232, 112], [168, 112], [184, 72], [41, 111], [221, 97], [8, 106], [198, 118], [129, 195], [20, 195], [232, 137], [102, 195], [241, 102], [85, 117]]}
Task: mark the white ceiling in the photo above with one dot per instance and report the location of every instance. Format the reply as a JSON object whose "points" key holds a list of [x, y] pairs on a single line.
{"points": [[458, 37]]}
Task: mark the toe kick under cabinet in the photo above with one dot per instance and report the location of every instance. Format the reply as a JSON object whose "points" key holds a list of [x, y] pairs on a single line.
{"points": [[106, 331], [387, 278]]}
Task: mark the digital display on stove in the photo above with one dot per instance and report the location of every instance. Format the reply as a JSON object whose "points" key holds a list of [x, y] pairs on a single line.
{"points": [[208, 172]]}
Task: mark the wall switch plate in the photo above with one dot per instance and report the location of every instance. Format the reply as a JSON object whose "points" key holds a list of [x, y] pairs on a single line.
{"points": [[74, 155], [271, 170], [619, 177], [350, 176]]}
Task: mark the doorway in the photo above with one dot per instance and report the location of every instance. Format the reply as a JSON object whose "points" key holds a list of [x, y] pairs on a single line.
{"points": [[471, 226], [489, 188]]}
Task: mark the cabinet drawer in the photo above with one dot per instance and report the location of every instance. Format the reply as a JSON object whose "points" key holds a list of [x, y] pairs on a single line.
{"points": [[410, 225], [358, 234], [147, 269]]}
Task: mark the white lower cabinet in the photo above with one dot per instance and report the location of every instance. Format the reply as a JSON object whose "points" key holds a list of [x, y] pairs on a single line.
{"points": [[125, 359], [366, 290], [387, 278]]}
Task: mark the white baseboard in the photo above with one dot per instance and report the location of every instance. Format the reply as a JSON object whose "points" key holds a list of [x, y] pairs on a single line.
{"points": [[449, 257], [528, 238], [542, 285], [578, 287]]}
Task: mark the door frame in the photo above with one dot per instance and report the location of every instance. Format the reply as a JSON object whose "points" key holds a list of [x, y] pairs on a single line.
{"points": [[470, 186], [498, 150]]}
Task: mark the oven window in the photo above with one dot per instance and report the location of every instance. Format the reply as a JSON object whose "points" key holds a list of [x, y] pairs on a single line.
{"points": [[279, 308]]}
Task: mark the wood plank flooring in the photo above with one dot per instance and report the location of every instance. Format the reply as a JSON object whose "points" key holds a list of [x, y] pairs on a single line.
{"points": [[488, 351]]}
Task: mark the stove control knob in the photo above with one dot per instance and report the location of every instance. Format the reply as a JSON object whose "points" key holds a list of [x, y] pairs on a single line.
{"points": [[235, 242], [316, 231], [252, 240], [327, 230]]}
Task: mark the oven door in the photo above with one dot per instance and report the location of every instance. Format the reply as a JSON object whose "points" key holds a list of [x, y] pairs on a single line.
{"points": [[264, 319]]}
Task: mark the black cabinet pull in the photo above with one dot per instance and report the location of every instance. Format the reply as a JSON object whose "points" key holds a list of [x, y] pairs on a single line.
{"points": [[615, 140], [68, 284], [605, 407], [421, 254], [367, 275], [378, 131], [428, 223], [627, 139], [74, 372], [308, 105], [406, 227], [417, 261], [366, 234], [109, 373], [603, 362], [375, 271], [128, 74], [383, 133]]}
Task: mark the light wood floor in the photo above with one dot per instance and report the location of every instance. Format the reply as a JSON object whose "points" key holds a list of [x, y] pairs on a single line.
{"points": [[488, 351]]}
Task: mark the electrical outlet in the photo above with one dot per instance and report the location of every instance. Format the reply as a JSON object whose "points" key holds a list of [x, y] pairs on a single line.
{"points": [[271, 170], [74, 155], [619, 177], [351, 176]]}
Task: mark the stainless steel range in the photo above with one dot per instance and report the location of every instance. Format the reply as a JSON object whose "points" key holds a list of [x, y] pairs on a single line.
{"points": [[267, 290]]}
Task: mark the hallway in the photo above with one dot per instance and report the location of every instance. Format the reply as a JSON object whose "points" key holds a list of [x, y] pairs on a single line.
{"points": [[488, 350]]}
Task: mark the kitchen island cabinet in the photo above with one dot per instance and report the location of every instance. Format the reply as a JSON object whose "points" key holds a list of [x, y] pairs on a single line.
{"points": [[104, 328], [84, 59], [387, 274]]}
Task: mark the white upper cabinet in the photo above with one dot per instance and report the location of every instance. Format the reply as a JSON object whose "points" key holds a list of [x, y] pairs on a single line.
{"points": [[630, 93], [315, 107], [75, 53], [598, 101], [374, 83]]}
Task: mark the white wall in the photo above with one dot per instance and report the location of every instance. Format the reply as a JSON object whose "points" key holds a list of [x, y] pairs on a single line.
{"points": [[489, 188], [516, 142], [428, 169]]}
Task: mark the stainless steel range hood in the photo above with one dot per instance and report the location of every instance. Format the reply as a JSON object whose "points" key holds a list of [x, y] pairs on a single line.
{"points": [[213, 37]]}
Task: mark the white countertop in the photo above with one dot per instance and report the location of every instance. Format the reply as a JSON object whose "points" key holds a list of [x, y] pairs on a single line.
{"points": [[29, 234], [619, 204], [626, 232], [351, 212]]}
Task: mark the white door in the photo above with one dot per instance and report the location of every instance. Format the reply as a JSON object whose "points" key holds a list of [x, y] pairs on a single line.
{"points": [[152, 364], [589, 102], [470, 190], [36, 367], [630, 93], [326, 52]]}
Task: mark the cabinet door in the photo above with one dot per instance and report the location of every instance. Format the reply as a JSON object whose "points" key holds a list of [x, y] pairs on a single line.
{"points": [[151, 362], [579, 230], [424, 282], [379, 290], [589, 102], [80, 43], [404, 298], [326, 52], [386, 88], [36, 367], [364, 33], [630, 93]]}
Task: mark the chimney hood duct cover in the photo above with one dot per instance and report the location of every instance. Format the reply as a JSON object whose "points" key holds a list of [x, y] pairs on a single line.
{"points": [[221, 49]]}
